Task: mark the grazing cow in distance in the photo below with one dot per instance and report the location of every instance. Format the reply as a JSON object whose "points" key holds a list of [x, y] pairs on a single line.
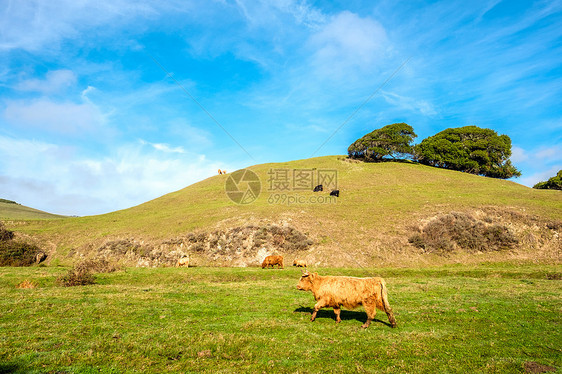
{"points": [[335, 193], [220, 171], [299, 263], [272, 261], [350, 292], [318, 188], [184, 261]]}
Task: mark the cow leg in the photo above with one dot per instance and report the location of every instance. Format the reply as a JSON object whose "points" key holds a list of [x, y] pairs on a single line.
{"points": [[319, 305], [337, 311], [371, 309]]}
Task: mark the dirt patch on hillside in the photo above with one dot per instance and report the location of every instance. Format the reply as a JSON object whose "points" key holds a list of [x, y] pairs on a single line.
{"points": [[440, 237], [240, 246]]}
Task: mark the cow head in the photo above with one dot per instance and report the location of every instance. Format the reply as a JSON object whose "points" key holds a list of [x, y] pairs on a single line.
{"points": [[306, 281]]}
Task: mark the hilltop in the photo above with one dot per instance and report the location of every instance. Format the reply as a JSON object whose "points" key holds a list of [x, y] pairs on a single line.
{"points": [[385, 215]]}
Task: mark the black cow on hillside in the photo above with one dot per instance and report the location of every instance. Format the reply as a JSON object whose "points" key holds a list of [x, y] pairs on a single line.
{"points": [[335, 193], [318, 188]]}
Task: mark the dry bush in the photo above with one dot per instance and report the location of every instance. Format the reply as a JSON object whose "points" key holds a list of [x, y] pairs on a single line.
{"points": [[5, 234], [16, 253], [99, 265], [121, 247], [457, 230], [83, 272], [76, 277]]}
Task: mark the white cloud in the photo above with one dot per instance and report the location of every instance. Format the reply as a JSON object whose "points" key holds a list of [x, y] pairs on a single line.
{"points": [[549, 153], [60, 180], [540, 176], [348, 42], [66, 117], [410, 104], [518, 154], [191, 136], [266, 13], [537, 164], [163, 147], [54, 81], [34, 24]]}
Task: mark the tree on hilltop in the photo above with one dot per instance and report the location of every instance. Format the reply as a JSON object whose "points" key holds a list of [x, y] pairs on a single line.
{"points": [[470, 149], [392, 141], [554, 183]]}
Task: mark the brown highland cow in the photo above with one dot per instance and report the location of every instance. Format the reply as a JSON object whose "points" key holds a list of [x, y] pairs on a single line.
{"points": [[349, 292], [272, 261], [299, 263]]}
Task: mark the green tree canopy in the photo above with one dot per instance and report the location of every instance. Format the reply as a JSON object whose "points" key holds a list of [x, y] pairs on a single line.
{"points": [[470, 149], [394, 141], [554, 183]]}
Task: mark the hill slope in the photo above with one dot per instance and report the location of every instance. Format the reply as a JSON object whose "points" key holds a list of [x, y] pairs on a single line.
{"points": [[11, 210], [380, 207]]}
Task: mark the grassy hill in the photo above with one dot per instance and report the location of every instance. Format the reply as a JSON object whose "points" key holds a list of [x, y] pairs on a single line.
{"points": [[381, 206], [10, 210]]}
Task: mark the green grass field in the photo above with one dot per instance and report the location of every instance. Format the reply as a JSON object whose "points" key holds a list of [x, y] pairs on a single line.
{"points": [[490, 318]]}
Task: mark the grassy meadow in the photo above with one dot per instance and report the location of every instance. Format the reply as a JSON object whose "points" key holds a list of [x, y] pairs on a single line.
{"points": [[488, 318]]}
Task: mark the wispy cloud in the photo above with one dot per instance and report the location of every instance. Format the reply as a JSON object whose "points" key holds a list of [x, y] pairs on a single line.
{"points": [[346, 43], [32, 25], [63, 118], [54, 81], [163, 147], [410, 104]]}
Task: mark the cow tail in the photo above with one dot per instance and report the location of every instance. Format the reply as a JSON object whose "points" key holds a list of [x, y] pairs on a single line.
{"points": [[386, 304]]}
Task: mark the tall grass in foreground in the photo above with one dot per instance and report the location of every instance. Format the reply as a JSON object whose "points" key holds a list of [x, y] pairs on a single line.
{"points": [[454, 319]]}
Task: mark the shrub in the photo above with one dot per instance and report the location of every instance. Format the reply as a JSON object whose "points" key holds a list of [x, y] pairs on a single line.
{"points": [[5, 234], [460, 230], [99, 265], [554, 183], [8, 201], [15, 253], [76, 276]]}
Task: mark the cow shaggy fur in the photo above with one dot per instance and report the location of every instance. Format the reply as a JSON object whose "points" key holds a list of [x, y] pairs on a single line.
{"points": [[349, 292], [299, 263], [272, 261], [184, 261]]}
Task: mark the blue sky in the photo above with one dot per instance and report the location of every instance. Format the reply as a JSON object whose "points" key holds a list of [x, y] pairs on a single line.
{"points": [[90, 122]]}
